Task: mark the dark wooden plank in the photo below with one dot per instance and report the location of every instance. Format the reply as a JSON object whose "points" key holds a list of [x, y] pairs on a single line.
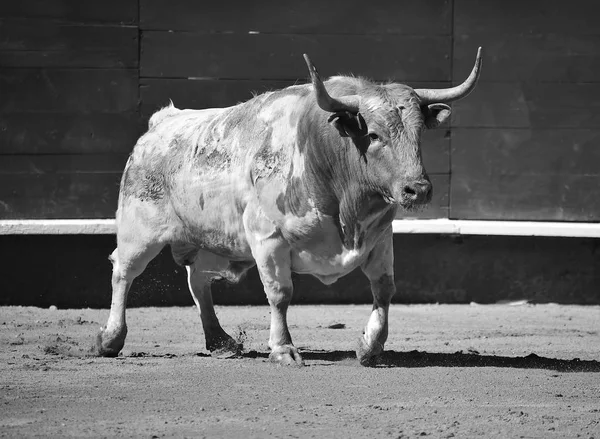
{"points": [[79, 133], [435, 147], [48, 90], [67, 164], [36, 43], [522, 57], [525, 151], [530, 105], [74, 11], [505, 200], [532, 17], [48, 196], [520, 174], [60, 186], [424, 17], [438, 208], [229, 56]]}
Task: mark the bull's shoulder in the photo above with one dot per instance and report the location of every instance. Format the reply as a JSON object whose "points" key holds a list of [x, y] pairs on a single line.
{"points": [[173, 131]]}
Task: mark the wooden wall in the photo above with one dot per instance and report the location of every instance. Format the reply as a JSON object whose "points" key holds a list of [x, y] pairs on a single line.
{"points": [[69, 90], [78, 81], [526, 146]]}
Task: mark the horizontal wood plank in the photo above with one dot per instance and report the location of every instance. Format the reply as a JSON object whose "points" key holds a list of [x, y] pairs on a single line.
{"points": [[231, 56], [59, 90], [527, 151], [537, 175], [438, 208], [36, 43], [424, 17], [532, 17], [60, 186], [37, 165], [74, 11], [529, 105], [550, 57], [82, 195], [525, 198], [435, 147], [59, 133]]}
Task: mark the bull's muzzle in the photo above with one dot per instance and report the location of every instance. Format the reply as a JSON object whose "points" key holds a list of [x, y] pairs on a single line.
{"points": [[417, 192]]}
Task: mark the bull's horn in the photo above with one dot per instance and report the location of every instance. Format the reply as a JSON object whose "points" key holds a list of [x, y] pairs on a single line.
{"points": [[326, 102], [435, 96]]}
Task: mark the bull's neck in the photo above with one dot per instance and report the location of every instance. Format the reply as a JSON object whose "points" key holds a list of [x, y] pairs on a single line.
{"points": [[338, 182]]}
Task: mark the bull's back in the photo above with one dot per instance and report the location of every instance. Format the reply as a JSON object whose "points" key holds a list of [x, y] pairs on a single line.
{"points": [[202, 167]]}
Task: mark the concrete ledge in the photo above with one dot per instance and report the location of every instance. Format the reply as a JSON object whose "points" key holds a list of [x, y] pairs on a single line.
{"points": [[433, 226]]}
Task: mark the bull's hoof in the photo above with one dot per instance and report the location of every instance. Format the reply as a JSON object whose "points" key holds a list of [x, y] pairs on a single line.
{"points": [[286, 355], [225, 348], [109, 345], [368, 355]]}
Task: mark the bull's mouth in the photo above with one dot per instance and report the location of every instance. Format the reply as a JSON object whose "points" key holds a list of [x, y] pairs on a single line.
{"points": [[407, 204], [411, 206]]}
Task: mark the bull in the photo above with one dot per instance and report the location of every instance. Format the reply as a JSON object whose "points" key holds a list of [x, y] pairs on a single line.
{"points": [[307, 179]]}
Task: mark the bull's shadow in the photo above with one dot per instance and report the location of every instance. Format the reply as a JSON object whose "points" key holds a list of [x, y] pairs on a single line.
{"points": [[458, 359]]}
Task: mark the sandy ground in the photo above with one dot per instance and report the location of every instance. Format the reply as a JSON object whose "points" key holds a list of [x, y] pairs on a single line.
{"points": [[448, 371]]}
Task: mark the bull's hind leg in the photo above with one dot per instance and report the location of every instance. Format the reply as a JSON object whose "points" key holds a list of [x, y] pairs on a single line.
{"points": [[379, 268], [136, 246], [207, 268]]}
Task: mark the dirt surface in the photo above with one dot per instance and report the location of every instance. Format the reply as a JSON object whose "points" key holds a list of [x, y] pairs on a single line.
{"points": [[448, 371]]}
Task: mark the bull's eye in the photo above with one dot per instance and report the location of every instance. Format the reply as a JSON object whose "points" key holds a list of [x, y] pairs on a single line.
{"points": [[374, 137]]}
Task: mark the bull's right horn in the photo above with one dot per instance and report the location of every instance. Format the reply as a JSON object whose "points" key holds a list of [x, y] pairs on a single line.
{"points": [[326, 102], [446, 95]]}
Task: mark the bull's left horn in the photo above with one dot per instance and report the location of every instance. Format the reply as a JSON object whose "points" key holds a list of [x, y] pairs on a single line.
{"points": [[326, 102], [444, 95]]}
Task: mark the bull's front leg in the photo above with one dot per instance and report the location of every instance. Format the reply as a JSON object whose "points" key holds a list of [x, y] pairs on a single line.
{"points": [[379, 268], [273, 261]]}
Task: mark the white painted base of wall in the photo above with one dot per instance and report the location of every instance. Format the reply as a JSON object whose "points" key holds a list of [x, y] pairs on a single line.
{"points": [[58, 227], [502, 228], [432, 226]]}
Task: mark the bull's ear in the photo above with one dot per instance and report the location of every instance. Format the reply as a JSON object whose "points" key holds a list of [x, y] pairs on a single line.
{"points": [[436, 114]]}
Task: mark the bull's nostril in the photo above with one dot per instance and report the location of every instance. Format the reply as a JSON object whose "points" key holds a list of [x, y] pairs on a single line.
{"points": [[409, 191]]}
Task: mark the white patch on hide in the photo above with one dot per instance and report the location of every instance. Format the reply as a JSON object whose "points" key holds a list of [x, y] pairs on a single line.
{"points": [[298, 162]]}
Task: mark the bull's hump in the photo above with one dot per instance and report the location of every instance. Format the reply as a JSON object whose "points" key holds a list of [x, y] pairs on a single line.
{"points": [[171, 118]]}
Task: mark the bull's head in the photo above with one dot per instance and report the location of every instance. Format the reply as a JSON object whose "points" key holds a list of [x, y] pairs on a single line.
{"points": [[385, 122]]}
